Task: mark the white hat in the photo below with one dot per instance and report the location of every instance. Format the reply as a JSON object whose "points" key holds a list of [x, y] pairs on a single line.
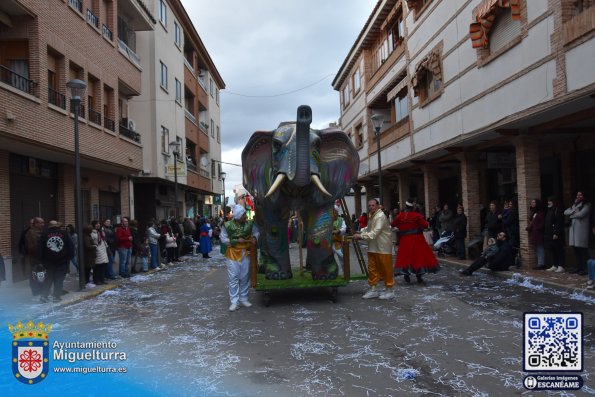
{"points": [[238, 211]]}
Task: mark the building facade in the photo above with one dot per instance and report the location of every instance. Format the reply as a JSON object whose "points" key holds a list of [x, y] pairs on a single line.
{"points": [[175, 106], [43, 45], [483, 100]]}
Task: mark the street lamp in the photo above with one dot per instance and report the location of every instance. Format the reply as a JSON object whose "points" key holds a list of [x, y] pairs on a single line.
{"points": [[223, 175], [378, 120], [77, 90], [175, 149]]}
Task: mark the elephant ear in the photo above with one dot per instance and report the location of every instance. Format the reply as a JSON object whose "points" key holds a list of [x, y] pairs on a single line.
{"points": [[339, 162], [257, 163]]}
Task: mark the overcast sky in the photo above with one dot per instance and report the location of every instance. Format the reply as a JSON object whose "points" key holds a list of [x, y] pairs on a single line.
{"points": [[267, 48]]}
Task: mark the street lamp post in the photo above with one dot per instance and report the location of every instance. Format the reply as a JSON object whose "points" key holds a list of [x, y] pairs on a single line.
{"points": [[77, 90], [378, 120], [223, 175], [175, 147]]}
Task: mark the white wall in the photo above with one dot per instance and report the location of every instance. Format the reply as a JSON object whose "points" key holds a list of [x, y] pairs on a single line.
{"points": [[579, 66]]}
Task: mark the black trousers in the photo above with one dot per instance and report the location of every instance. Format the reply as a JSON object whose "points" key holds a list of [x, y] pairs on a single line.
{"points": [[581, 255], [557, 251], [55, 277], [476, 265]]}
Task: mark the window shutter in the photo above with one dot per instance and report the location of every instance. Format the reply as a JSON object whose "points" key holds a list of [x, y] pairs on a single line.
{"points": [[505, 29]]}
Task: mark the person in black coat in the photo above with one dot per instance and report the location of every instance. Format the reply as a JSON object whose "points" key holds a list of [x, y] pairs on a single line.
{"points": [[501, 260], [553, 234], [56, 249], [510, 223], [459, 226], [493, 223]]}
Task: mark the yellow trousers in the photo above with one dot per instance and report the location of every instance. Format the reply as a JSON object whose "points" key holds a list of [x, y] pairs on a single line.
{"points": [[380, 267]]}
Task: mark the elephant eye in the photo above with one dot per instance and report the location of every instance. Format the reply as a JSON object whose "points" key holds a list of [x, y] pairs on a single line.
{"points": [[277, 146]]}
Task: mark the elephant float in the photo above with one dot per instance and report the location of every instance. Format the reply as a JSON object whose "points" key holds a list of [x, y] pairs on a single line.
{"points": [[296, 168]]}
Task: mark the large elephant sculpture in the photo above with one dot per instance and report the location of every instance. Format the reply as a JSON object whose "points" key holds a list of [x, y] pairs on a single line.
{"points": [[295, 168]]}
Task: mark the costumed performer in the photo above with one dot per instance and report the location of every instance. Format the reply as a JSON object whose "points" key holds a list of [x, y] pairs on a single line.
{"points": [[238, 235], [414, 254], [339, 230], [378, 234]]}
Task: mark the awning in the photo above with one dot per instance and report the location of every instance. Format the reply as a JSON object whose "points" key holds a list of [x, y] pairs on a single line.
{"points": [[413, 4], [393, 93], [431, 63], [486, 13]]}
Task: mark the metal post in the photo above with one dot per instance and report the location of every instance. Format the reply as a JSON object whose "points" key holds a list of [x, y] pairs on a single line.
{"points": [[379, 166], [176, 184], [78, 199]]}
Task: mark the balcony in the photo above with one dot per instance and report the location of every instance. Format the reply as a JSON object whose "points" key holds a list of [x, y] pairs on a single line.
{"points": [[204, 127], [94, 117], [107, 33], [109, 124], [92, 19], [56, 99], [81, 110], [205, 174], [17, 81], [128, 53], [76, 4], [190, 116], [124, 131], [188, 65]]}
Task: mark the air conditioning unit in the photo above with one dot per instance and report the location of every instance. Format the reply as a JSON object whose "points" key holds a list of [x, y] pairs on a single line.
{"points": [[131, 125]]}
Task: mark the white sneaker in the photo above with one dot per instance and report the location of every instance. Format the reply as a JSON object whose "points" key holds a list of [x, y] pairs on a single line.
{"points": [[551, 269], [233, 307], [90, 285], [560, 269], [388, 294], [163, 266], [590, 282], [246, 303], [372, 293], [170, 264]]}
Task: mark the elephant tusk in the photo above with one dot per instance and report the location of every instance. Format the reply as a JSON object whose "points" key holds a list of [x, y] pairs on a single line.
{"points": [[276, 184], [318, 184]]}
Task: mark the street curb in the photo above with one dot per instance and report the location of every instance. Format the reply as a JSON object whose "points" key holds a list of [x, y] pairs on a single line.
{"points": [[508, 274]]}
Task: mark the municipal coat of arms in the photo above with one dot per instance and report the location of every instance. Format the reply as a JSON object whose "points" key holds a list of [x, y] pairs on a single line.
{"points": [[30, 351]]}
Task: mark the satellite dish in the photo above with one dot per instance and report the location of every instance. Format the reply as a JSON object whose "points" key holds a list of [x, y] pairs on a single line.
{"points": [[131, 125], [204, 161]]}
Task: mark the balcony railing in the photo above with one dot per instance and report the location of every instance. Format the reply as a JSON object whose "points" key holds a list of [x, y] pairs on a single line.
{"points": [[204, 127], [17, 81], [205, 173], [190, 116], [188, 64], [76, 4], [202, 83], [94, 117], [92, 18], [124, 49], [107, 33], [191, 165], [109, 124], [81, 110], [124, 131], [56, 99]]}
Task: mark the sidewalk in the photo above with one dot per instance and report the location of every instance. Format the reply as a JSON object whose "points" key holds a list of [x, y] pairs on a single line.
{"points": [[564, 281]]}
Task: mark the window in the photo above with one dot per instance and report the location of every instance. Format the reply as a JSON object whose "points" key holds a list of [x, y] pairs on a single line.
{"points": [[427, 78], [163, 13], [418, 5], [164, 140], [401, 106], [359, 136], [217, 96], [504, 30], [211, 85], [213, 169], [177, 35], [163, 75], [218, 135], [346, 95], [180, 142], [212, 129], [178, 91], [356, 81]]}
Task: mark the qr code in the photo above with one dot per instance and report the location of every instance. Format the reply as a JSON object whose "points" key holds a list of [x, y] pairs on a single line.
{"points": [[553, 342]]}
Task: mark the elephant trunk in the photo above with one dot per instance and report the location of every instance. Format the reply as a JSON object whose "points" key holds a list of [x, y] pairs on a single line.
{"points": [[302, 160]]}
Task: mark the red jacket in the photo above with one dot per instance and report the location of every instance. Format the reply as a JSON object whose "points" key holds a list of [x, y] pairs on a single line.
{"points": [[123, 240]]}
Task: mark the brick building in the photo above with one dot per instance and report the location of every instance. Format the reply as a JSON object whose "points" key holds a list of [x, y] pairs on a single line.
{"points": [[482, 100], [44, 44]]}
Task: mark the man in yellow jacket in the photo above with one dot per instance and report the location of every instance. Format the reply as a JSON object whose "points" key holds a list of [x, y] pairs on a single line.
{"points": [[238, 235], [380, 259]]}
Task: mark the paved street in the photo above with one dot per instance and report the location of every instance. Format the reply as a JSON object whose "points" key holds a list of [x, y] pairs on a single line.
{"points": [[453, 337]]}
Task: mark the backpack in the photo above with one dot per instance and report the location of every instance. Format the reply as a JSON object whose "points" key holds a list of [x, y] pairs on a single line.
{"points": [[55, 248]]}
